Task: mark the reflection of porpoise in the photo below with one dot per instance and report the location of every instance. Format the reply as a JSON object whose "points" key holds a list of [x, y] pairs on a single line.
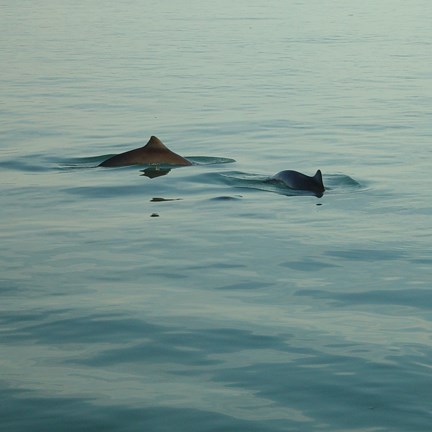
{"points": [[154, 152], [299, 181]]}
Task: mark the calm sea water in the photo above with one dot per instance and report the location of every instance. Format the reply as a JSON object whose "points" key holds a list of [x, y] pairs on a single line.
{"points": [[209, 299]]}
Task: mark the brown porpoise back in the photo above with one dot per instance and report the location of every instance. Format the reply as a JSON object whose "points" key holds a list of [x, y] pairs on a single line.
{"points": [[154, 152]]}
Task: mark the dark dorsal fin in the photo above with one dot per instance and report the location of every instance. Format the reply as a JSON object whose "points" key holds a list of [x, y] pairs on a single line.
{"points": [[318, 178]]}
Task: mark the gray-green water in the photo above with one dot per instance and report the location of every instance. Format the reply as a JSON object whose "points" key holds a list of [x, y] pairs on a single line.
{"points": [[242, 306]]}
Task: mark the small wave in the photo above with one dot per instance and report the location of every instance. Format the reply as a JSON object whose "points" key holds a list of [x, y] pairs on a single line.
{"points": [[341, 183], [81, 163], [26, 164], [94, 161], [209, 160]]}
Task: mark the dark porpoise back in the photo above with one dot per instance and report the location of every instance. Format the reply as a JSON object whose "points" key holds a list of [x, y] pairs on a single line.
{"points": [[298, 181], [154, 152]]}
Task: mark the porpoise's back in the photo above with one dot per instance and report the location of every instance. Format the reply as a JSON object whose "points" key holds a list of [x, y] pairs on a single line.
{"points": [[154, 152], [298, 181]]}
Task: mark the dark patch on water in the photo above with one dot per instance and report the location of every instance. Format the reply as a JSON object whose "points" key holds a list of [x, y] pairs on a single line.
{"points": [[250, 285], [25, 164], [104, 192], [307, 265], [23, 410], [157, 199], [422, 261], [412, 297], [55, 328], [226, 198], [337, 389], [368, 254], [195, 347]]}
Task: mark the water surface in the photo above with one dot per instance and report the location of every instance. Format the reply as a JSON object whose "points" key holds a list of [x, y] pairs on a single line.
{"points": [[209, 299]]}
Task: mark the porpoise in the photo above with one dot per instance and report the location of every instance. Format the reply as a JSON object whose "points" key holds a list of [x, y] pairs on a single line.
{"points": [[154, 152], [298, 181]]}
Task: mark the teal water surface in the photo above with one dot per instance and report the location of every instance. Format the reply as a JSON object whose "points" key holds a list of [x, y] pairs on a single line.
{"points": [[209, 298]]}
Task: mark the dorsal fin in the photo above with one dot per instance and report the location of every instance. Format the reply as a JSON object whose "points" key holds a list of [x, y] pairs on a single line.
{"points": [[154, 152], [155, 143], [318, 178]]}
